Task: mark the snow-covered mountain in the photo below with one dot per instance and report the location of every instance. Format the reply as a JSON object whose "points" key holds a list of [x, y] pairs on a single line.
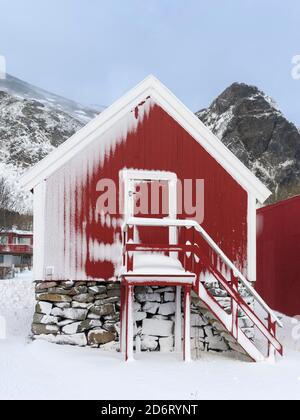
{"points": [[249, 123], [32, 123]]}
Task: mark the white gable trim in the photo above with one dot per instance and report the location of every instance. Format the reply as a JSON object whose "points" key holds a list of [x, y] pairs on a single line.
{"points": [[176, 109]]}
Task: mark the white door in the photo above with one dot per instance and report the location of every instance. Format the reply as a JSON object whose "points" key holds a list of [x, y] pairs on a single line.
{"points": [[150, 194]]}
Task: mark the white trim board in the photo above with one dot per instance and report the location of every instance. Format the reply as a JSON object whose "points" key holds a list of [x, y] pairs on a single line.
{"points": [[251, 236], [39, 231], [176, 109]]}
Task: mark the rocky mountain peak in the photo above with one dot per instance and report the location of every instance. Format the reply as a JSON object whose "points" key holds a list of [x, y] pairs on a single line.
{"points": [[249, 123]]}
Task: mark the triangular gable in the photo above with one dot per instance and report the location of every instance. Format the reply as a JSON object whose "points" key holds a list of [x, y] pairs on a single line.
{"points": [[176, 109]]}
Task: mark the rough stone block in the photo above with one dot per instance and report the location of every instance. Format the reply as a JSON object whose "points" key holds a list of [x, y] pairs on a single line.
{"points": [[78, 290], [151, 307], [43, 308], [49, 297], [167, 308], [139, 316], [97, 290], [197, 320], [153, 297], [45, 285], [63, 305], [169, 297], [88, 324], [58, 291], [42, 329], [158, 328], [71, 329], [115, 299], [80, 305], [218, 344], [83, 298], [166, 344], [71, 313], [149, 343], [109, 326], [100, 336], [106, 309], [197, 332]]}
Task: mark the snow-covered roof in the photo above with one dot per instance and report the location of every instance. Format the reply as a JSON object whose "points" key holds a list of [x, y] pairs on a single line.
{"points": [[176, 109]]}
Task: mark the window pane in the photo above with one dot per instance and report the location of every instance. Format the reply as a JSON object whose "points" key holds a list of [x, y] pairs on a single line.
{"points": [[24, 241], [3, 240]]}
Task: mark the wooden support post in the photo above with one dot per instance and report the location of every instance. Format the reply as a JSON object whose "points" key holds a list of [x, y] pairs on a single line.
{"points": [[178, 337], [122, 317], [129, 323], [271, 348], [235, 308], [187, 324]]}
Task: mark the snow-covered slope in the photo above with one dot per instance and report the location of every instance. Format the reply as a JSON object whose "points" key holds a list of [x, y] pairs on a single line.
{"points": [[251, 126], [32, 123], [23, 90]]}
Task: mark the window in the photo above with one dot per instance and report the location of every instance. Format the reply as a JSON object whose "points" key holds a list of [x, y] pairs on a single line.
{"points": [[1, 259], [24, 241], [3, 240]]}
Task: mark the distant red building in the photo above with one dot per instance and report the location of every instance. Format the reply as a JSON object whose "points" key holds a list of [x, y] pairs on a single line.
{"points": [[16, 248], [278, 255]]}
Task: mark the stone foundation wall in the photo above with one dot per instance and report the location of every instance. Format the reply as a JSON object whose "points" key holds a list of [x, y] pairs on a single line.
{"points": [[154, 316], [77, 313], [88, 314]]}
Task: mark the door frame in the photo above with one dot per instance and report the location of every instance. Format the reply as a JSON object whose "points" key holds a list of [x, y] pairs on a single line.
{"points": [[129, 176]]}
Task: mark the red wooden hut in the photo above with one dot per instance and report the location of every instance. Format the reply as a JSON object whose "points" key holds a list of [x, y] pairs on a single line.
{"points": [[278, 256], [145, 195]]}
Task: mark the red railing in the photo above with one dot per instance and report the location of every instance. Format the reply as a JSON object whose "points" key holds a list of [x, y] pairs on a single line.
{"points": [[196, 259], [16, 249]]}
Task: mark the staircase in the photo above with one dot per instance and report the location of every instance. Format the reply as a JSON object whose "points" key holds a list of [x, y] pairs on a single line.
{"points": [[200, 255]]}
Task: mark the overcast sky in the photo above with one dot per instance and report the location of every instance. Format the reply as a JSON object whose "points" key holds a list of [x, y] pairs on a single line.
{"points": [[94, 50]]}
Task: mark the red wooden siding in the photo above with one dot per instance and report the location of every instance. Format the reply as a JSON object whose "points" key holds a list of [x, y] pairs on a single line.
{"points": [[78, 243], [278, 256]]}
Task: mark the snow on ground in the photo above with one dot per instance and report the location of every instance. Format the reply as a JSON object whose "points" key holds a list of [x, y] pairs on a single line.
{"points": [[17, 305], [39, 370]]}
